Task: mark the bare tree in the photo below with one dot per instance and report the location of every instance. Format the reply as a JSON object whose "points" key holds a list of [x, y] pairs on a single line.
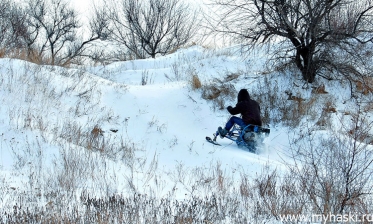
{"points": [[311, 32], [53, 31], [13, 26], [152, 27], [4, 18]]}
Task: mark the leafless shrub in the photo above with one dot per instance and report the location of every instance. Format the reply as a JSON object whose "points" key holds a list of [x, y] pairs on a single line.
{"points": [[286, 104], [328, 175], [336, 170], [175, 67], [278, 196]]}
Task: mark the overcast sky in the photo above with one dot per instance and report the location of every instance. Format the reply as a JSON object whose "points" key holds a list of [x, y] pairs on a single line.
{"points": [[82, 5], [85, 5]]}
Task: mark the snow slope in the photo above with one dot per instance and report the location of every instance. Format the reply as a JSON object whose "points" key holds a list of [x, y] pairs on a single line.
{"points": [[48, 117]]}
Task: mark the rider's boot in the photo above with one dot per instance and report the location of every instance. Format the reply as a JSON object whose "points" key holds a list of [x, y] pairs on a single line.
{"points": [[222, 132]]}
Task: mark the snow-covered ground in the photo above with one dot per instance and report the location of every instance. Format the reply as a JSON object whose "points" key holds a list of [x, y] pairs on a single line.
{"points": [[134, 126]]}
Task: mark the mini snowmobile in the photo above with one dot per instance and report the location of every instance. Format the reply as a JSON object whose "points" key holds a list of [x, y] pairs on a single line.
{"points": [[249, 136]]}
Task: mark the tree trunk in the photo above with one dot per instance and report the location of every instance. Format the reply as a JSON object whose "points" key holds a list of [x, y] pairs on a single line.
{"points": [[306, 64], [309, 71]]}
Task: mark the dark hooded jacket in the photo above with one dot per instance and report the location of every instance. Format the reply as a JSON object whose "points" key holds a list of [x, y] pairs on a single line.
{"points": [[248, 108]]}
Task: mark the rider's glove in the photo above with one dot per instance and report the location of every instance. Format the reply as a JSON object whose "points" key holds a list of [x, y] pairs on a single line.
{"points": [[229, 108]]}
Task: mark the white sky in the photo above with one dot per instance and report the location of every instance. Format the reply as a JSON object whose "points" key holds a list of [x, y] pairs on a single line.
{"points": [[83, 6], [86, 5]]}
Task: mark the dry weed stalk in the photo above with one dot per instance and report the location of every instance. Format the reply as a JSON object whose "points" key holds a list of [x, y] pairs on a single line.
{"points": [[365, 85], [196, 82], [319, 90]]}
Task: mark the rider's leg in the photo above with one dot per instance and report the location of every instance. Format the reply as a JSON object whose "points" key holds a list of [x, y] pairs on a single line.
{"points": [[233, 120]]}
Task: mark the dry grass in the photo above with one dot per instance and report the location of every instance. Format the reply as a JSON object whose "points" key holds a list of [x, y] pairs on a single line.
{"points": [[2, 53], [319, 90], [196, 82], [279, 197], [365, 85], [292, 103], [96, 131], [23, 54], [328, 108], [283, 104], [231, 77], [35, 57], [218, 91]]}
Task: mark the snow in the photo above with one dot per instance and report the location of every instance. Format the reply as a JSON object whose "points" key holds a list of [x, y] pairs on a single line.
{"points": [[48, 114]]}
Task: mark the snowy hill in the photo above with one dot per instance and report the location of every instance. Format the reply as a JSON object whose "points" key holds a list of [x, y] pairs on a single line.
{"points": [[128, 127]]}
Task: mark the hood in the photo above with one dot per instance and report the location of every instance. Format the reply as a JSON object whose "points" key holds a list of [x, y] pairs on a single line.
{"points": [[243, 95]]}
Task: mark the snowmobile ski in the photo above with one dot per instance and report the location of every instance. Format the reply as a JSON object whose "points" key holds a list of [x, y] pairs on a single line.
{"points": [[211, 141]]}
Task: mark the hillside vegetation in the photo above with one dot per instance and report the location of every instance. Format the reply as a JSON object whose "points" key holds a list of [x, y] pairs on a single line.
{"points": [[105, 121], [125, 142]]}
